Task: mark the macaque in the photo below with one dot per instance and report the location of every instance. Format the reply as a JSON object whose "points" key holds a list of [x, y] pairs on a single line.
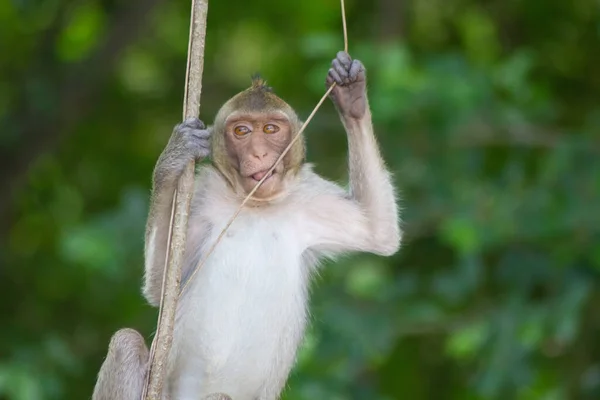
{"points": [[242, 318]]}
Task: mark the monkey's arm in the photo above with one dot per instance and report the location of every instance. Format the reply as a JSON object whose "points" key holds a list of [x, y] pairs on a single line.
{"points": [[366, 219], [371, 186], [190, 140]]}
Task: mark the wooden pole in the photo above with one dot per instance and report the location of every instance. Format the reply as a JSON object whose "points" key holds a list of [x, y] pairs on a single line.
{"points": [[182, 197]]}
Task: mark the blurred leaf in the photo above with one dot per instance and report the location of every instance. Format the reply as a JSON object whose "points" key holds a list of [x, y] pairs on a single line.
{"points": [[461, 234], [83, 32], [465, 342], [367, 279]]}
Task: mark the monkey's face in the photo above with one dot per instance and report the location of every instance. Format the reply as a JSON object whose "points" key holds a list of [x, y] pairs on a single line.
{"points": [[254, 141]]}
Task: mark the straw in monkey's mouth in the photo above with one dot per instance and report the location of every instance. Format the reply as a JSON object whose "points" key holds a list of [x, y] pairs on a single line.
{"points": [[259, 175]]}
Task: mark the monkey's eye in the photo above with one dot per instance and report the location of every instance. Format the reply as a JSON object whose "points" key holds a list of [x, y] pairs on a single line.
{"points": [[241, 130], [270, 128]]}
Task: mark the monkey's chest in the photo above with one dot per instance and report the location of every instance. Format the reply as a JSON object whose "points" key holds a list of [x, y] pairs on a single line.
{"points": [[256, 254], [247, 300]]}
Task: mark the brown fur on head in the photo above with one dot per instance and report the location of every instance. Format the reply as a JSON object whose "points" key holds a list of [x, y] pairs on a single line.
{"points": [[258, 98]]}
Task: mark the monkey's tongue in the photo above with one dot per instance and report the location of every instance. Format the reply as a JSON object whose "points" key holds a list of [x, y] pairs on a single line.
{"points": [[259, 175]]}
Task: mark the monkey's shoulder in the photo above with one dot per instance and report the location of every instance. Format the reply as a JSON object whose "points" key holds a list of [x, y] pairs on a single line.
{"points": [[210, 181], [312, 187]]}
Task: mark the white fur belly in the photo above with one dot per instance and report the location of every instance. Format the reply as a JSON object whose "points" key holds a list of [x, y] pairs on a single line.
{"points": [[244, 313]]}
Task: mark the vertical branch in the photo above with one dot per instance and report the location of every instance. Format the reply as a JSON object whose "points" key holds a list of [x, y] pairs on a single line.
{"points": [[161, 345]]}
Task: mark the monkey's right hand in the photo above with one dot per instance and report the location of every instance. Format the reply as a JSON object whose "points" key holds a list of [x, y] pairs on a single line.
{"points": [[190, 141]]}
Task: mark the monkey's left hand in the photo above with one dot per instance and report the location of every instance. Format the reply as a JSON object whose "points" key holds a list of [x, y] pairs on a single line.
{"points": [[349, 93]]}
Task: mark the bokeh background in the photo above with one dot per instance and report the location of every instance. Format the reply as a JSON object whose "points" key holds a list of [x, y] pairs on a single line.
{"points": [[488, 112]]}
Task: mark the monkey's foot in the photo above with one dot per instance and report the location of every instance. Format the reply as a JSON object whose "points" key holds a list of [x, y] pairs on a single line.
{"points": [[217, 396]]}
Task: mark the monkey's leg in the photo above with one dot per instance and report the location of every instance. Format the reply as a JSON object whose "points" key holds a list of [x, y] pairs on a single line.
{"points": [[122, 376]]}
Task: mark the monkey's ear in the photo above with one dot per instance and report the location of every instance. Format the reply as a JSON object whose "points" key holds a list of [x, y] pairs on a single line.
{"points": [[259, 83]]}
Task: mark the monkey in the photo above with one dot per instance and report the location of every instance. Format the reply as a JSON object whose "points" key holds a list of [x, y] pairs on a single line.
{"points": [[242, 318]]}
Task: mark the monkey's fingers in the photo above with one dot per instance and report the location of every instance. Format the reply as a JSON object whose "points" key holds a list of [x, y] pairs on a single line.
{"points": [[193, 123], [200, 149], [344, 59], [200, 133], [195, 142], [355, 69], [335, 77], [341, 71], [202, 153], [329, 81]]}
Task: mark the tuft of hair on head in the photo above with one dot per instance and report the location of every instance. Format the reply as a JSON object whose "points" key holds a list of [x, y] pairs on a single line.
{"points": [[258, 82]]}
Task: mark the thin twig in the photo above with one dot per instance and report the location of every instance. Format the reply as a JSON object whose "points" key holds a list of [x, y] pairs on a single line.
{"points": [[345, 30], [285, 151], [182, 198]]}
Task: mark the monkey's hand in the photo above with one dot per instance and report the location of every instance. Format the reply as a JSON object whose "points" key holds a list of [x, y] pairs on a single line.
{"points": [[190, 141], [349, 94]]}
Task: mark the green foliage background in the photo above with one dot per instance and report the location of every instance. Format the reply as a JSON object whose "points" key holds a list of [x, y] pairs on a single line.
{"points": [[488, 113]]}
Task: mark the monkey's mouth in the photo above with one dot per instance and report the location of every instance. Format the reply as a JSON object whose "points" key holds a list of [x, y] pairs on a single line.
{"points": [[259, 175]]}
